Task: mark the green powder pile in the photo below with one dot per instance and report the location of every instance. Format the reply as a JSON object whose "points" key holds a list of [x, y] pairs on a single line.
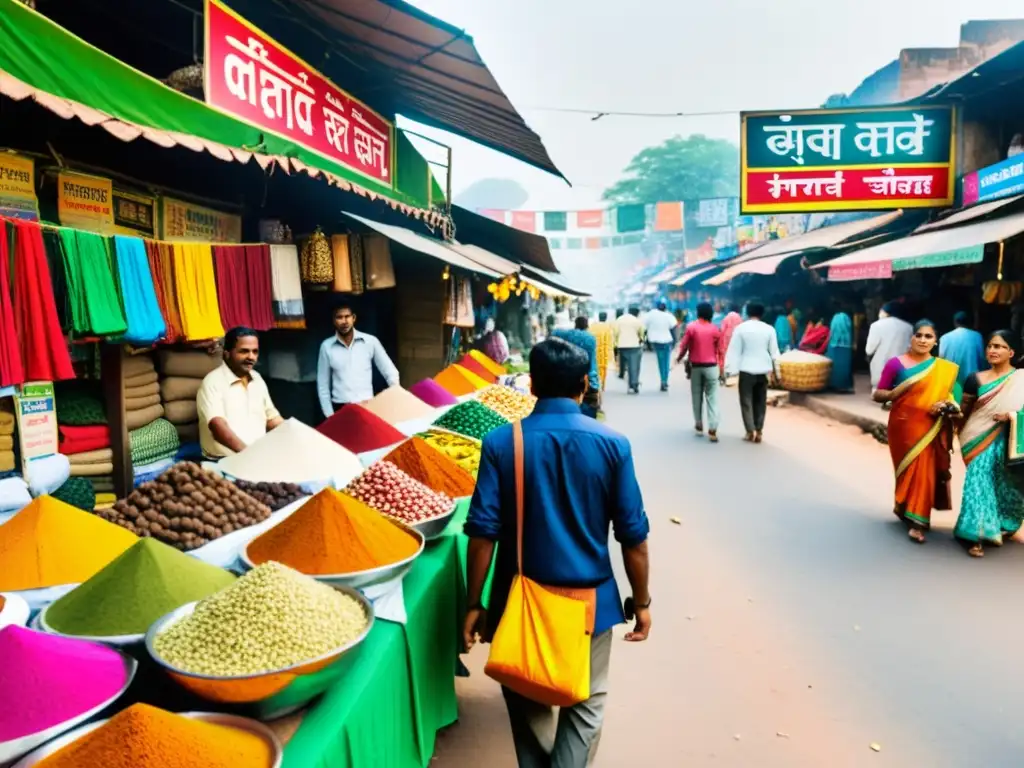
{"points": [[147, 581]]}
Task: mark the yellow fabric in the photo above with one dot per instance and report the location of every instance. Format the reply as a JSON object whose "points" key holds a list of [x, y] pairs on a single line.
{"points": [[6, 461], [6, 423], [629, 332], [605, 341], [105, 499], [486, 362], [541, 649], [196, 291], [6, 442], [246, 408]]}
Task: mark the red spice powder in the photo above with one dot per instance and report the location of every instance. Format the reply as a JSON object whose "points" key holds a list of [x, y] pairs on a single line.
{"points": [[471, 364], [357, 429]]}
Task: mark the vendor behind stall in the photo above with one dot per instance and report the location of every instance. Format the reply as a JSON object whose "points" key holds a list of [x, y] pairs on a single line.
{"points": [[344, 370], [234, 404]]}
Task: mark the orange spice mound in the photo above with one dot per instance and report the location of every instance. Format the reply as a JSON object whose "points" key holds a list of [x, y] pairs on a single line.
{"points": [[458, 381], [333, 533], [472, 365], [417, 459]]}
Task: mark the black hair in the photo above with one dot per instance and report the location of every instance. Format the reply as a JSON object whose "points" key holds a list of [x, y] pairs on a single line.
{"points": [[558, 369], [582, 323], [231, 337], [755, 310], [662, 306], [1006, 335], [924, 322], [634, 311], [961, 319], [705, 311], [734, 307], [619, 313], [602, 316], [341, 307]]}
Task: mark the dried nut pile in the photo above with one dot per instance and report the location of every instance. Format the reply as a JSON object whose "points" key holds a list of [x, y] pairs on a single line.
{"points": [[461, 450], [186, 507], [507, 402], [274, 495], [471, 419], [272, 617], [391, 492]]}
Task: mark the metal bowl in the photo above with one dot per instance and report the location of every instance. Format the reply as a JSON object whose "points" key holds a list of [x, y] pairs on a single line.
{"points": [[15, 611], [215, 718], [361, 579], [118, 641], [271, 694], [15, 748], [435, 526]]}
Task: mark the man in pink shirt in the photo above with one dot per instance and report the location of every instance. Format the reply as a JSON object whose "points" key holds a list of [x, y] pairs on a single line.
{"points": [[701, 342]]}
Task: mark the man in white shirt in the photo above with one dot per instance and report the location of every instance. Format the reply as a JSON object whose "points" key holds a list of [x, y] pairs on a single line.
{"points": [[629, 338], [888, 337], [753, 353], [659, 325], [233, 402], [344, 370]]}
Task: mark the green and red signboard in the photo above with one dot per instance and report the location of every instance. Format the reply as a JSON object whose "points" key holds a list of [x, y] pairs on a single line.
{"points": [[847, 159]]}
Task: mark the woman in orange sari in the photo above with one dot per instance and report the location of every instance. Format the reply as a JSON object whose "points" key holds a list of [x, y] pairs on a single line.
{"points": [[924, 394]]}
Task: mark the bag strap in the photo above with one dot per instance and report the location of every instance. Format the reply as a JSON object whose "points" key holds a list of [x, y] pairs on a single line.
{"points": [[517, 443]]}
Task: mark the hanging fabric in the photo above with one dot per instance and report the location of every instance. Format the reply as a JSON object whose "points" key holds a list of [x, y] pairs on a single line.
{"points": [[317, 261], [145, 323], [196, 291], [287, 287], [55, 260], [161, 266], [260, 291], [44, 348], [95, 304], [459, 306], [355, 253], [232, 285], [377, 257], [342, 265], [12, 371]]}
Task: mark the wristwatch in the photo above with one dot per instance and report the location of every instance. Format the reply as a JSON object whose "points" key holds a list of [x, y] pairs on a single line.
{"points": [[629, 607]]}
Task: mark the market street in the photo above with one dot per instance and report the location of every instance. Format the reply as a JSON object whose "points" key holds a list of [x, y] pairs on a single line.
{"points": [[794, 623]]}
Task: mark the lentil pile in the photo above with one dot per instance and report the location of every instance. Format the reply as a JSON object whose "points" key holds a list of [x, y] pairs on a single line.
{"points": [[471, 419], [186, 507], [147, 581], [507, 402], [462, 450], [274, 495], [272, 617], [330, 534], [142, 736], [432, 468], [391, 492]]}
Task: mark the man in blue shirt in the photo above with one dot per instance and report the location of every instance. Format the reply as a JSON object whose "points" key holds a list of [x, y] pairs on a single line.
{"points": [[579, 481], [963, 346], [586, 341], [344, 368]]}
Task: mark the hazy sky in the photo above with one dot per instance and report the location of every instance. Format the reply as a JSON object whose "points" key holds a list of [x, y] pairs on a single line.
{"points": [[670, 56]]}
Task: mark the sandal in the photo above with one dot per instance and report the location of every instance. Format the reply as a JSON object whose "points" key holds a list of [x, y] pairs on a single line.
{"points": [[757, 437], [916, 535], [749, 437], [713, 437], [976, 551]]}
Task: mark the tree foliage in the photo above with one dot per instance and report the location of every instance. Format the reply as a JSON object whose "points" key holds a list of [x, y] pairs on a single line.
{"points": [[679, 169]]}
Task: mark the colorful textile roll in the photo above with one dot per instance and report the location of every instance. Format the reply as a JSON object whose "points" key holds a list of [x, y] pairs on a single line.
{"points": [[92, 291], [161, 266], [12, 370], [78, 492], [153, 442], [232, 285], [44, 351], [82, 439], [56, 260], [260, 292], [145, 323], [287, 287], [196, 291]]}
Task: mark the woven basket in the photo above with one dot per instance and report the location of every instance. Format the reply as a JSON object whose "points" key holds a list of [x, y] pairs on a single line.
{"points": [[804, 377]]}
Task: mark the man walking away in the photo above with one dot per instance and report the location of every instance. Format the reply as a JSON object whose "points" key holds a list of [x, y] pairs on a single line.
{"points": [[605, 336], [579, 481], [615, 341], [753, 353], [629, 335], [729, 325], [701, 341], [585, 340], [659, 326], [888, 337], [963, 346]]}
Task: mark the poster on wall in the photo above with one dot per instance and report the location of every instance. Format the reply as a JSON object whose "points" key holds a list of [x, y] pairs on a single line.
{"points": [[18, 187], [134, 214], [187, 221], [85, 202], [847, 159], [36, 416]]}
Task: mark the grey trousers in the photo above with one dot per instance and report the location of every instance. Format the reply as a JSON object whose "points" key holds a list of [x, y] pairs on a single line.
{"points": [[704, 386], [753, 400], [563, 738], [631, 358]]}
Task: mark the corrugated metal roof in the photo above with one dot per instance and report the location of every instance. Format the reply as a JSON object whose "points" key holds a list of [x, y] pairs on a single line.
{"points": [[825, 237]]}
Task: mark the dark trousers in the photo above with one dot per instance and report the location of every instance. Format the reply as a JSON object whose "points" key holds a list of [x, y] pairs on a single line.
{"points": [[591, 403], [753, 400], [621, 362], [631, 359], [338, 406]]}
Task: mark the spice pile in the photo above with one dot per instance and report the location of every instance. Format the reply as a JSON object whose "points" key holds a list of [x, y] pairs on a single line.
{"points": [[333, 534], [186, 507], [272, 617], [274, 495], [458, 381], [507, 402], [396, 405], [462, 450], [471, 419], [496, 368], [474, 366], [125, 598], [142, 736], [358, 430], [391, 492], [433, 394], [432, 468], [50, 543], [46, 680]]}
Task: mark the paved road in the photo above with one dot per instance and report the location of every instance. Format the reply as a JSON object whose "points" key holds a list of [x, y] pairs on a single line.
{"points": [[794, 624]]}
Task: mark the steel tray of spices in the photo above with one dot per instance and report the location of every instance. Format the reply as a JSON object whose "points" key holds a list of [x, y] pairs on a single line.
{"points": [[369, 577], [262, 690], [15, 748], [434, 526], [214, 718], [118, 641]]}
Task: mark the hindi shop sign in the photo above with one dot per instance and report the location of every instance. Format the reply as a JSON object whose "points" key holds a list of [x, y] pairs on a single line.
{"points": [[85, 202], [18, 187], [37, 422], [189, 222], [847, 159], [1004, 179], [251, 76]]}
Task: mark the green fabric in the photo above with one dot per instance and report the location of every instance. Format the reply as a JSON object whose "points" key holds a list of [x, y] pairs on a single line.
{"points": [[47, 56], [153, 442], [78, 492], [556, 221], [454, 530], [398, 688], [92, 290], [77, 407], [993, 506], [630, 218]]}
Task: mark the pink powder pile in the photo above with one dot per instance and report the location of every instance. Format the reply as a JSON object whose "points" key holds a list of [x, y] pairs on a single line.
{"points": [[46, 680], [432, 393]]}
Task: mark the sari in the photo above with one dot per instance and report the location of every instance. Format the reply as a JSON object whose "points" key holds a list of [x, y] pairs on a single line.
{"points": [[783, 333], [919, 442], [993, 505], [815, 339], [840, 352]]}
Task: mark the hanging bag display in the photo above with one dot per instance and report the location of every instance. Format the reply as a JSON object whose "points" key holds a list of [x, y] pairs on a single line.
{"points": [[541, 649]]}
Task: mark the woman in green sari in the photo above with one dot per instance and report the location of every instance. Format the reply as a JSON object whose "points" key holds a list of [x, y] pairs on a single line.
{"points": [[993, 506]]}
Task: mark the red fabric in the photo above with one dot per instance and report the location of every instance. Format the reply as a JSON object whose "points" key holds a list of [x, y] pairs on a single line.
{"points": [[359, 430], [701, 339], [82, 439], [232, 285], [261, 297], [11, 369], [815, 340], [44, 348]]}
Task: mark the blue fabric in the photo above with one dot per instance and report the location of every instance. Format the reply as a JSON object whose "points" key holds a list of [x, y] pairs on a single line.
{"points": [[841, 376], [145, 323], [13, 494], [47, 474], [662, 352], [586, 341], [992, 507], [579, 480], [840, 331], [966, 348], [784, 333]]}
